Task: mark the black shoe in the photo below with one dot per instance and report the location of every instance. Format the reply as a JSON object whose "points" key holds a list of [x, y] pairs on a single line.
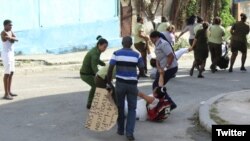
{"points": [[88, 106], [143, 75], [230, 70], [243, 69], [131, 138], [200, 76], [11, 94], [213, 69], [120, 133], [191, 72], [173, 106]]}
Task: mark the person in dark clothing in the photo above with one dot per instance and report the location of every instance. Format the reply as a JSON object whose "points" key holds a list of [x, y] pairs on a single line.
{"points": [[200, 47], [239, 33]]}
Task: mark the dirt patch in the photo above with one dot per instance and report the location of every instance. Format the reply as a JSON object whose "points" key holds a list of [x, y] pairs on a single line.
{"points": [[197, 132]]}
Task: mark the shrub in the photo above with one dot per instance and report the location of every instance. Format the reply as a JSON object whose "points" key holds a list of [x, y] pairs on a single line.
{"points": [[225, 13], [192, 8], [181, 43]]}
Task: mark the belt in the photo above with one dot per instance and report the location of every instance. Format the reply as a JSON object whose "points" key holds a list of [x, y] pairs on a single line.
{"points": [[82, 73]]}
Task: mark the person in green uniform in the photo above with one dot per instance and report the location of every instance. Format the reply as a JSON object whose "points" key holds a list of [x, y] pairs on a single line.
{"points": [[89, 66], [200, 47], [163, 25], [141, 43]]}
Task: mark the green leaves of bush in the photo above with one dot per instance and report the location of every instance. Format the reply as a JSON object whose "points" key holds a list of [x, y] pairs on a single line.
{"points": [[225, 13]]}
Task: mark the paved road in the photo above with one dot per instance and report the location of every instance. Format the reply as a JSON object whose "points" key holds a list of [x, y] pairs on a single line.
{"points": [[51, 106]]}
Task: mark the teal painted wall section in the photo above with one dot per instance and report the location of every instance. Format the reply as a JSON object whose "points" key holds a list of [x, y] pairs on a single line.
{"points": [[59, 26]]}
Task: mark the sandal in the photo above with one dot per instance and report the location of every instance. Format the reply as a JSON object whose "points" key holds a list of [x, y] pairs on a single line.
{"points": [[8, 97]]}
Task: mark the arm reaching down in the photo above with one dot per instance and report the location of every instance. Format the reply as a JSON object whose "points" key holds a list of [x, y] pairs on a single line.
{"points": [[148, 99]]}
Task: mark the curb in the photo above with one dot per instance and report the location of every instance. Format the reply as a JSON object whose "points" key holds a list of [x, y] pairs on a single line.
{"points": [[204, 110]]}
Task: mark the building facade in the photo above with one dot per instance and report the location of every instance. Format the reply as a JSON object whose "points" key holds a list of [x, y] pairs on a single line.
{"points": [[242, 6], [59, 26]]}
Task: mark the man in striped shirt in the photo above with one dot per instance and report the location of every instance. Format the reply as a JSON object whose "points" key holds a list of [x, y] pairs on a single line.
{"points": [[126, 61]]}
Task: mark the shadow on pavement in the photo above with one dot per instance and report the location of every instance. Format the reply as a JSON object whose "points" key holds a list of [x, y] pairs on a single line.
{"points": [[61, 117]]}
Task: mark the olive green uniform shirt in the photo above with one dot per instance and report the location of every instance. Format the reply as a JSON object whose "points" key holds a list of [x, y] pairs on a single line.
{"points": [[163, 26], [91, 61], [216, 32], [240, 31], [138, 28]]}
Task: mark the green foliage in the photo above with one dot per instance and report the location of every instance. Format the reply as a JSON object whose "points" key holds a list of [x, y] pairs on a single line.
{"points": [[192, 8], [227, 36], [225, 13], [181, 43]]}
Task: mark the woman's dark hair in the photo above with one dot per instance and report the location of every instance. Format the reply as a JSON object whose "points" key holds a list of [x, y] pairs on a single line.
{"points": [[161, 92], [243, 17], [101, 40], [6, 22], [199, 19], [164, 19], [155, 34], [138, 19], [153, 62], [205, 25], [217, 20], [191, 20]]}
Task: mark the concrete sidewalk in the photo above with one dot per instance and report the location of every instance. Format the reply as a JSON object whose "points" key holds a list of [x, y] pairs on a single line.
{"points": [[228, 108], [69, 61]]}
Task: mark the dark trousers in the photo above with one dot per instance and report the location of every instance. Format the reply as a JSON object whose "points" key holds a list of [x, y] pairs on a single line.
{"points": [[142, 48], [216, 51], [126, 90], [168, 74]]}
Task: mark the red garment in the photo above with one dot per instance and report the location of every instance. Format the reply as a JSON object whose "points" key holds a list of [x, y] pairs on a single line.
{"points": [[160, 112]]}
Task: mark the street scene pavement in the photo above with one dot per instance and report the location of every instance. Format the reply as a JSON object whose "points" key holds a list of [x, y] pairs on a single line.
{"points": [[51, 102]]}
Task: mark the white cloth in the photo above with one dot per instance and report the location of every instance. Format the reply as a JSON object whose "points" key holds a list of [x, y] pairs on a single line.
{"points": [[8, 55], [180, 52], [141, 110], [224, 49], [190, 28]]}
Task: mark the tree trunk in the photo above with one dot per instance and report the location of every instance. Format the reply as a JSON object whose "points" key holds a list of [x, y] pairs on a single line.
{"points": [[126, 18]]}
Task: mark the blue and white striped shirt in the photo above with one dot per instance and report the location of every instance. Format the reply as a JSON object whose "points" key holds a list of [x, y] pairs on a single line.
{"points": [[126, 61]]}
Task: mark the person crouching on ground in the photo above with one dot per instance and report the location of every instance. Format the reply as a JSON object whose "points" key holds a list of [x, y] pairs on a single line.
{"points": [[158, 108], [89, 66], [101, 80], [153, 107], [200, 47]]}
